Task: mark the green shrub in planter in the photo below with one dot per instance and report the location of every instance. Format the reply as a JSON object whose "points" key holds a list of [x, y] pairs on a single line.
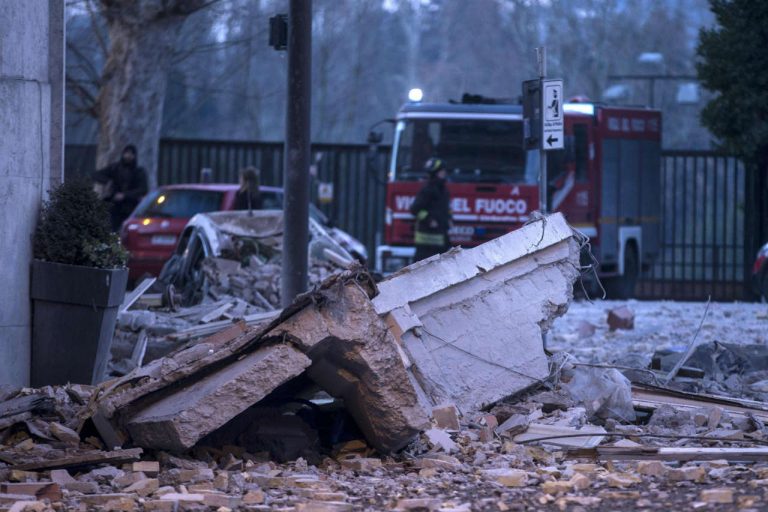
{"points": [[74, 229], [78, 282]]}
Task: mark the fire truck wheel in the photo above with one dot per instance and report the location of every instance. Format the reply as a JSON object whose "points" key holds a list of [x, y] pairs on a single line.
{"points": [[623, 287]]}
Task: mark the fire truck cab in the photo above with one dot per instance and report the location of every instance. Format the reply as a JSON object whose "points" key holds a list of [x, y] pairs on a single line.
{"points": [[606, 181]]}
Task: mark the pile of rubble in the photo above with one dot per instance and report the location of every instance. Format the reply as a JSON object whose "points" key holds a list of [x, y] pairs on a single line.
{"points": [[428, 391], [238, 277], [717, 349], [521, 454]]}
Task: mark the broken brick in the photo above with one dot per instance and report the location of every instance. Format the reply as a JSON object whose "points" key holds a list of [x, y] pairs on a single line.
{"points": [[621, 318], [446, 417]]}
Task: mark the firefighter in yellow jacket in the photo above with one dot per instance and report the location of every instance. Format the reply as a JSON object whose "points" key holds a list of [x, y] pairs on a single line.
{"points": [[432, 212]]}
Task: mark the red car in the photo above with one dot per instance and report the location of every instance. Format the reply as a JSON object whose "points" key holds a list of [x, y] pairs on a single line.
{"points": [[151, 232]]}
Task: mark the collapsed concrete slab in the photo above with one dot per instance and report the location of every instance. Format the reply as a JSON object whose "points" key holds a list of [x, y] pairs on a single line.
{"points": [[333, 333], [463, 328], [471, 321], [180, 420], [355, 357]]}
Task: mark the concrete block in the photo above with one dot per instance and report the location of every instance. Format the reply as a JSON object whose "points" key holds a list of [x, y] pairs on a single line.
{"points": [[446, 417], [480, 313], [148, 467], [621, 318], [179, 420], [355, 357]]}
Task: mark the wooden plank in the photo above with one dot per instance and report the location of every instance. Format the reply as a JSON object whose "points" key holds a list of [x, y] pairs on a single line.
{"points": [[540, 430], [701, 397], [214, 327], [22, 404], [88, 459], [151, 300], [140, 349], [674, 454], [10, 499], [216, 313], [39, 490], [136, 293], [646, 399]]}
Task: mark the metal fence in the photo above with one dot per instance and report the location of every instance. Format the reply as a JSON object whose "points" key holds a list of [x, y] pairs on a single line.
{"points": [[357, 178], [353, 175], [703, 249]]}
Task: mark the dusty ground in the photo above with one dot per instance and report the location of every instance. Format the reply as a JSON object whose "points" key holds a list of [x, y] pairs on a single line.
{"points": [[494, 475], [658, 325]]}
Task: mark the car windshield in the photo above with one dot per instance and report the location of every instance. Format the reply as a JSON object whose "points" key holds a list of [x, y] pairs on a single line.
{"points": [[474, 150], [182, 203]]}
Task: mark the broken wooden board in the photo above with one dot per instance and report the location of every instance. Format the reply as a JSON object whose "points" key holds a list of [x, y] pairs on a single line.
{"points": [[88, 459], [151, 300], [39, 490], [651, 397], [216, 313], [137, 292], [212, 327], [541, 430], [673, 454], [24, 403]]}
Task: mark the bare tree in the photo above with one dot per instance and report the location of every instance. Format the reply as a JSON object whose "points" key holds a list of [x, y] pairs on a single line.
{"points": [[142, 37]]}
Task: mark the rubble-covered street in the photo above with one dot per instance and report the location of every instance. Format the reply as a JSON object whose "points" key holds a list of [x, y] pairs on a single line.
{"points": [[343, 255], [389, 396], [658, 325]]}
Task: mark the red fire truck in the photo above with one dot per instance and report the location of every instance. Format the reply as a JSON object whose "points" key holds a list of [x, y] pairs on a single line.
{"points": [[605, 181]]}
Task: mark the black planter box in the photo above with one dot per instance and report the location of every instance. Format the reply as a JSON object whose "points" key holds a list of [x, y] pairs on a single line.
{"points": [[73, 320]]}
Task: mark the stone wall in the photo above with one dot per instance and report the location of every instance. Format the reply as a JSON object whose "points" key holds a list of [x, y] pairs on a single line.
{"points": [[31, 156]]}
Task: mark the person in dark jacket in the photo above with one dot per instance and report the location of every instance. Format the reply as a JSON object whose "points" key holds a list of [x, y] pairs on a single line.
{"points": [[432, 211], [124, 184], [248, 196]]}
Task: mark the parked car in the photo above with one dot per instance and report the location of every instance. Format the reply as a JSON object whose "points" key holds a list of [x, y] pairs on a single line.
{"points": [[760, 273], [152, 231]]}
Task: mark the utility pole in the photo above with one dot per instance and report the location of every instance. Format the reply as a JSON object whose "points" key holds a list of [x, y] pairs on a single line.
{"points": [[297, 152]]}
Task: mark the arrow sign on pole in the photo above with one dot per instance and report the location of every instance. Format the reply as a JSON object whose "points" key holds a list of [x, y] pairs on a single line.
{"points": [[552, 109]]}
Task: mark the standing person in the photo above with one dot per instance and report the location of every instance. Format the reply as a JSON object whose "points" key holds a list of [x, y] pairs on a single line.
{"points": [[432, 210], [125, 183], [248, 195]]}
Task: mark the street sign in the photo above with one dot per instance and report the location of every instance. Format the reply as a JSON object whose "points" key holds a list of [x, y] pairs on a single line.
{"points": [[552, 115]]}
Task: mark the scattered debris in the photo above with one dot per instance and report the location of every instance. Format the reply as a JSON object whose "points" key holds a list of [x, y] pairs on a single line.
{"points": [[347, 400], [604, 392], [621, 318], [238, 279]]}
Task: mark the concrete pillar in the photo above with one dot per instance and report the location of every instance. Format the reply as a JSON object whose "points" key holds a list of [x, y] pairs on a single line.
{"points": [[31, 158]]}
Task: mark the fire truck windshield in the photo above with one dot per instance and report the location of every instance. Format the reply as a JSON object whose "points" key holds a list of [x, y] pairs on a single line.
{"points": [[474, 150]]}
